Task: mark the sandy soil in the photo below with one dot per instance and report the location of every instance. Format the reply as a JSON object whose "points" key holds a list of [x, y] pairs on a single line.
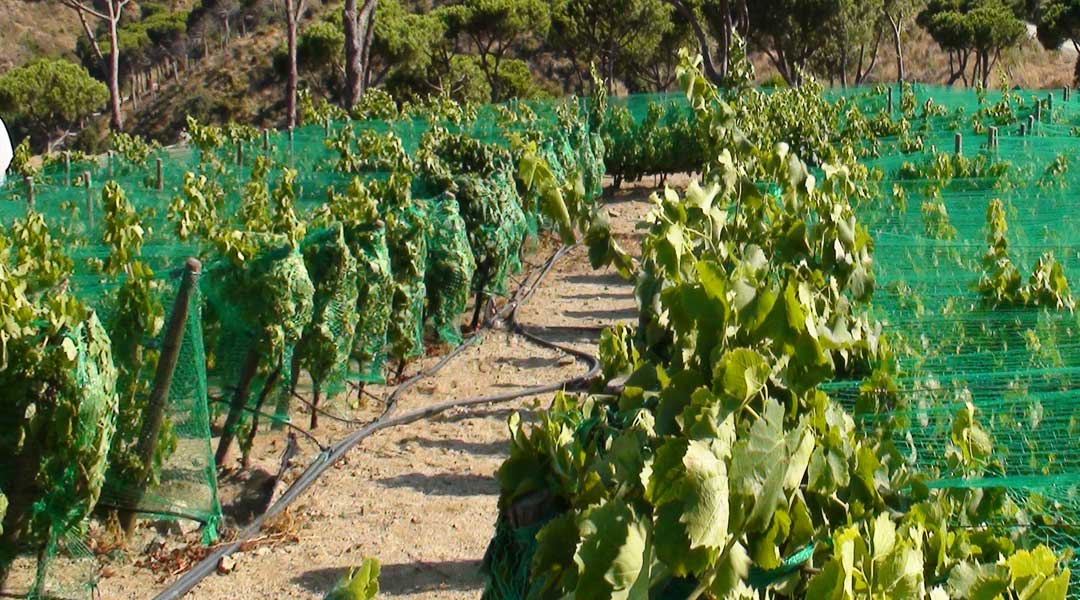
{"points": [[420, 498]]}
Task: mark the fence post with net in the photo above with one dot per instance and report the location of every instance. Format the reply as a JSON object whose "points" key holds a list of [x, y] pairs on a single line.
{"points": [[159, 393]]}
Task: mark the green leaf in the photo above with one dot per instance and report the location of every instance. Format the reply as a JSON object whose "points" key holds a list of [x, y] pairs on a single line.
{"points": [[713, 279], [361, 583], [705, 498], [553, 560], [675, 398], [612, 553], [978, 582], [759, 467], [742, 372], [1034, 574]]}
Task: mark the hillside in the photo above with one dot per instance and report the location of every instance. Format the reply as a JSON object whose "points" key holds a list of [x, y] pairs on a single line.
{"points": [[239, 81], [32, 29]]}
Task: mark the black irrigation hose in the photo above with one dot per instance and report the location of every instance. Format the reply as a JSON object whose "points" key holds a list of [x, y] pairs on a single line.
{"points": [[337, 451]]}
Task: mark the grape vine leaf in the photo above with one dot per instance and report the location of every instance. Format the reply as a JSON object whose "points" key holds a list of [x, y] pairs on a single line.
{"points": [[612, 554]]}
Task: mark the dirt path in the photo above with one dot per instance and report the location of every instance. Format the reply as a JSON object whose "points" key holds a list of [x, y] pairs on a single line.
{"points": [[419, 498]]}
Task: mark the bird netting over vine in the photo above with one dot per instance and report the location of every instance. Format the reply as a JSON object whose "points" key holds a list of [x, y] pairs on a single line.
{"points": [[975, 252], [329, 254]]}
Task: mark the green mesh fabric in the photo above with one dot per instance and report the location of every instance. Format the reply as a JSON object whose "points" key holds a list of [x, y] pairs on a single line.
{"points": [[185, 482], [233, 172], [324, 348], [263, 308], [407, 237], [496, 225], [374, 290], [450, 269], [985, 359], [507, 560], [964, 352], [49, 493]]}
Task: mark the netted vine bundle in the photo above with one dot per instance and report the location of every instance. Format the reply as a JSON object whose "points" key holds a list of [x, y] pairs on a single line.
{"points": [[57, 425], [293, 293], [450, 269]]}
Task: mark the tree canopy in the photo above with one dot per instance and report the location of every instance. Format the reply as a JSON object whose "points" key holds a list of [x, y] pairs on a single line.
{"points": [[610, 33], [1058, 23], [496, 28], [974, 33], [48, 96]]}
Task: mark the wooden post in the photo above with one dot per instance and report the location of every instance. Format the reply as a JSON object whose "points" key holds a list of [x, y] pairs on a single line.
{"points": [[67, 168], [1050, 103], [990, 137], [266, 141], [89, 200], [111, 164], [1023, 130], [959, 144], [239, 154], [160, 178], [159, 393], [329, 127], [1031, 124], [29, 181]]}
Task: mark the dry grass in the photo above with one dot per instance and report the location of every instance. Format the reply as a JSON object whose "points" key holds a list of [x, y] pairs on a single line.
{"points": [[30, 29]]}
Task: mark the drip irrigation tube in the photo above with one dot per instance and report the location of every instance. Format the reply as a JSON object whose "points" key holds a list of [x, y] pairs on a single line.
{"points": [[508, 313]]}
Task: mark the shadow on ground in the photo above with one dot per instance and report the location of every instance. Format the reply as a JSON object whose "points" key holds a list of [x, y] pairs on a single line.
{"points": [[495, 448], [408, 578], [444, 484]]}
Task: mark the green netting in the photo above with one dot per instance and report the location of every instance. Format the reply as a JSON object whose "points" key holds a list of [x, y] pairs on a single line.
{"points": [[324, 347], [57, 431], [975, 251], [507, 560], [407, 239], [374, 289], [450, 268], [182, 482], [497, 226], [977, 254], [276, 302], [262, 308]]}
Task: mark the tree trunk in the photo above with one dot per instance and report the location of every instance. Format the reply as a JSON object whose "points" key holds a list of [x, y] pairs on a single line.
{"points": [[703, 42], [90, 34], [290, 91], [1076, 70], [116, 119], [366, 27], [353, 68], [895, 24], [843, 69], [358, 23]]}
